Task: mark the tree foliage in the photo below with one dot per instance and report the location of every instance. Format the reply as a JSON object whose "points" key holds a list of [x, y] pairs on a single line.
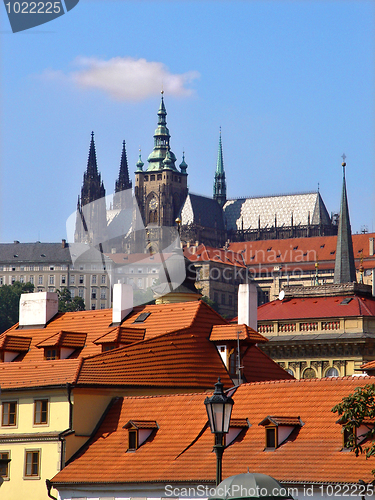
{"points": [[211, 303], [69, 304], [356, 410], [10, 303]]}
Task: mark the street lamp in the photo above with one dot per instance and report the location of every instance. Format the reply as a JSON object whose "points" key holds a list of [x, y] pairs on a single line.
{"points": [[219, 409]]}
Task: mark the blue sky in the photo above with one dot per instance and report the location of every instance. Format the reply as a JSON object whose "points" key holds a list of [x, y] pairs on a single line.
{"points": [[291, 83]]}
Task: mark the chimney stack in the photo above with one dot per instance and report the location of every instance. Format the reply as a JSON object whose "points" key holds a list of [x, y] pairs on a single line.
{"points": [[373, 282], [63, 243], [122, 302], [247, 305], [36, 309], [371, 246]]}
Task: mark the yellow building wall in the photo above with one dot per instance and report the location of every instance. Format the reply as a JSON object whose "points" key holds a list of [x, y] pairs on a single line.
{"points": [[17, 487]]}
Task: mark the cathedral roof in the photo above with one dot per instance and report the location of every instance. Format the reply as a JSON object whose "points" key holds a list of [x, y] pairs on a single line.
{"points": [[306, 208], [203, 211]]}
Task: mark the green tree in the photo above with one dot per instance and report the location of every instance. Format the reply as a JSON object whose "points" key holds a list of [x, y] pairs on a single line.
{"points": [[211, 303], [355, 410], [69, 304], [10, 303]]}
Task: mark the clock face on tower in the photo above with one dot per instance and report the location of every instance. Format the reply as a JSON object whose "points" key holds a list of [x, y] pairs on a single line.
{"points": [[153, 204]]}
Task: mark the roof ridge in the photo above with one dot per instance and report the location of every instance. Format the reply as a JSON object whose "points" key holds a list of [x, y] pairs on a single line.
{"points": [[298, 193], [310, 380]]}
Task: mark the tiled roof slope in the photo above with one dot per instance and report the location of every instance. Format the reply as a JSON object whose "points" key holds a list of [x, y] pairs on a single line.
{"points": [[368, 366], [232, 332], [203, 253], [183, 359], [301, 251], [163, 318], [258, 367], [177, 451], [40, 374], [316, 307]]}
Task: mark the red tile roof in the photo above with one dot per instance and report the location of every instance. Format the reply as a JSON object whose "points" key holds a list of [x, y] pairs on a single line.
{"points": [[281, 421], [41, 374], [74, 340], [163, 318], [182, 359], [233, 331], [258, 366], [203, 253], [316, 307], [14, 343], [302, 252], [181, 450], [368, 366], [122, 335]]}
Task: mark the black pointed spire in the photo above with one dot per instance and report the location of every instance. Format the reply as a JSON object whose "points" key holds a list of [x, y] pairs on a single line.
{"points": [[123, 182], [344, 263], [220, 187], [92, 166], [93, 187]]}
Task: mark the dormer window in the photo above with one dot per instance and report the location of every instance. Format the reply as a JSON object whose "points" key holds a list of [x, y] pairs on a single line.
{"points": [[278, 430], [355, 434], [62, 344], [50, 354], [139, 431], [236, 426]]}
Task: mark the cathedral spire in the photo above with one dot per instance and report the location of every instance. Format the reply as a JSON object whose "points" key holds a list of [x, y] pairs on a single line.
{"points": [[220, 187], [123, 182], [92, 166], [344, 263]]}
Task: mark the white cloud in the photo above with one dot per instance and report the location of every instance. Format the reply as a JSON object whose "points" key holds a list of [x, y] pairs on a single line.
{"points": [[128, 79]]}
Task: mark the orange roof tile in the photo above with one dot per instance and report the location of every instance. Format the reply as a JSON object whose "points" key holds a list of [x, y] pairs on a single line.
{"points": [[15, 343], [203, 253], [368, 366], [163, 318], [74, 340], [182, 359], [232, 332], [316, 307], [281, 421], [122, 335], [141, 424], [41, 374], [181, 450], [300, 251]]}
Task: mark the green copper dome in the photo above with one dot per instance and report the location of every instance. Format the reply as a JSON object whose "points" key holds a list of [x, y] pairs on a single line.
{"points": [[139, 163]]}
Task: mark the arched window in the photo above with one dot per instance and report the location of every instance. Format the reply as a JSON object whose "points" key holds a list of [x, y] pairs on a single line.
{"points": [[309, 373], [332, 372]]}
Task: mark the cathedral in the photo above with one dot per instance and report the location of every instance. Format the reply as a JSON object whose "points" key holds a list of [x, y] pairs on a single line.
{"points": [[162, 204]]}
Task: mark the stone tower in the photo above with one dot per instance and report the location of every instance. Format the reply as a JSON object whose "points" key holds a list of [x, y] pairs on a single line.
{"points": [[161, 189]]}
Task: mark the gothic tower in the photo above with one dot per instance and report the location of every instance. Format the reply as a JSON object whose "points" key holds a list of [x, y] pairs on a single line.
{"points": [[161, 189], [123, 182], [220, 187], [344, 262], [91, 220]]}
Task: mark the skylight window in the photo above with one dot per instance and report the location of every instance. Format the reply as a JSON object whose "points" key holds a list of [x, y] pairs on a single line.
{"points": [[346, 301], [142, 317]]}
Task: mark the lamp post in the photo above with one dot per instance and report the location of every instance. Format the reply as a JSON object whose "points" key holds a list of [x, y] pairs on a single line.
{"points": [[219, 409]]}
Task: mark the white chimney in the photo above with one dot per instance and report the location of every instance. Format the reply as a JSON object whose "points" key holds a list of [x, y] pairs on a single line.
{"points": [[373, 282], [371, 246], [122, 301], [247, 305], [36, 309]]}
